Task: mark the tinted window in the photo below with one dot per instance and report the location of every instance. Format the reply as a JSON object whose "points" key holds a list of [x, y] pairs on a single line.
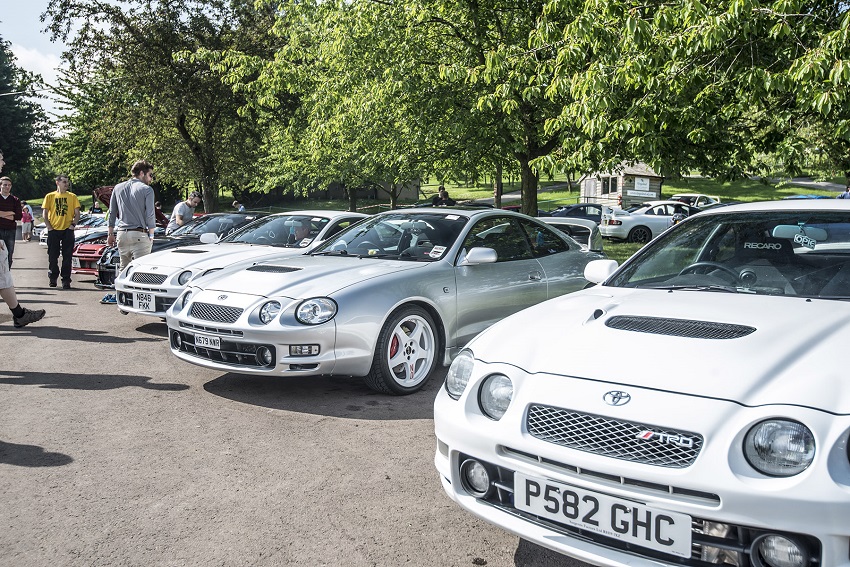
{"points": [[503, 235]]}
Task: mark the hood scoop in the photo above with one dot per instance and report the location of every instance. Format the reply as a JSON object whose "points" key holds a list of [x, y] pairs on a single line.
{"points": [[272, 269], [188, 251], [679, 327]]}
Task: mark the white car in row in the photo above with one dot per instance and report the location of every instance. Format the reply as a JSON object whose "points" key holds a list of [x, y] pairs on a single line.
{"points": [[641, 223], [149, 285], [689, 410]]}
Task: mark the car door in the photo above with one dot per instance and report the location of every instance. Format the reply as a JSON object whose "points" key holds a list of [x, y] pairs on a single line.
{"points": [[563, 263], [487, 293], [659, 218]]}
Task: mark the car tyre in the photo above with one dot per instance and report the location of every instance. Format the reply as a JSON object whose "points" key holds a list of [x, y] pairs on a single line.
{"points": [[406, 353], [640, 234]]}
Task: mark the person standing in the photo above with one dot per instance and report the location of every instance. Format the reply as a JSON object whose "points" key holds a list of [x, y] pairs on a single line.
{"points": [[61, 215], [21, 316], [10, 212], [131, 214], [183, 212], [846, 194], [27, 219], [240, 208]]}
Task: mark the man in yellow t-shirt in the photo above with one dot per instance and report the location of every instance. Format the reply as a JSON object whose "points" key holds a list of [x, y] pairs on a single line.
{"points": [[61, 215]]}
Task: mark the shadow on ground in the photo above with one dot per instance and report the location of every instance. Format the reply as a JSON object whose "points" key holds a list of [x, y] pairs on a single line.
{"points": [[83, 381], [61, 333], [532, 555], [333, 396], [30, 456], [155, 329]]}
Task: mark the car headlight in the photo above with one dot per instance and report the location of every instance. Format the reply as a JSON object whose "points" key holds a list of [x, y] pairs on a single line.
{"points": [[779, 447], [495, 395], [459, 374], [184, 299], [316, 311], [184, 277], [269, 311]]}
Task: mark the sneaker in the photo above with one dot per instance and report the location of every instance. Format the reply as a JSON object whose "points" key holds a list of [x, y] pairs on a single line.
{"points": [[29, 316], [52, 283], [66, 285], [109, 298]]}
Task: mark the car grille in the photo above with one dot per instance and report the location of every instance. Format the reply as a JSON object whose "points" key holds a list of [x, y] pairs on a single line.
{"points": [[272, 269], [679, 327], [218, 313], [141, 277], [635, 442]]}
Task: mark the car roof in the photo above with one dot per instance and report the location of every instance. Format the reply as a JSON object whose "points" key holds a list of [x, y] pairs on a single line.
{"points": [[327, 213], [459, 211], [792, 205]]}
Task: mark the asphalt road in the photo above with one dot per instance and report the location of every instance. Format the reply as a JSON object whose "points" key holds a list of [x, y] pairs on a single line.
{"points": [[114, 452]]}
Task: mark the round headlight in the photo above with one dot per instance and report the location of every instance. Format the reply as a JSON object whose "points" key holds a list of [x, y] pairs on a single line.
{"points": [[316, 311], [780, 551], [778, 447], [495, 396], [185, 299], [269, 311], [459, 374], [475, 478], [184, 277]]}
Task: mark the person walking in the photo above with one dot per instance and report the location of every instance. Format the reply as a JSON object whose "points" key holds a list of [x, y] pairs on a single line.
{"points": [[10, 213], [132, 214], [183, 212], [61, 215], [27, 219], [21, 316]]}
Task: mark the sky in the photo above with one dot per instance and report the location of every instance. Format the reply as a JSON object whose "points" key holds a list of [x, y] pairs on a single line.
{"points": [[20, 25]]}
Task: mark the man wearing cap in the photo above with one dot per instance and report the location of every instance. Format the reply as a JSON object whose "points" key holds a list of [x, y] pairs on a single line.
{"points": [[183, 212], [131, 214]]}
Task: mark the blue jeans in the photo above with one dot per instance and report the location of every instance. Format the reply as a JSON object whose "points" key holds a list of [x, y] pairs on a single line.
{"points": [[60, 241]]}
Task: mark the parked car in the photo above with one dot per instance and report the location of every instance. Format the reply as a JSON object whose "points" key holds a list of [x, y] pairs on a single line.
{"points": [[388, 299], [150, 284], [219, 224], [583, 230], [689, 410], [518, 209], [591, 211], [697, 200], [88, 224], [642, 223]]}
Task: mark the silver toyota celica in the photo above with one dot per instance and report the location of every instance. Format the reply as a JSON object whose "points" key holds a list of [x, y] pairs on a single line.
{"points": [[387, 299]]}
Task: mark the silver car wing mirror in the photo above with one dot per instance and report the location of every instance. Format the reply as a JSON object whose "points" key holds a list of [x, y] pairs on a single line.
{"points": [[209, 238], [479, 255]]}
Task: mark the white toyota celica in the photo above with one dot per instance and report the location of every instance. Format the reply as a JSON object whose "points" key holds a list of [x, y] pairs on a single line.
{"points": [[150, 284], [690, 410]]}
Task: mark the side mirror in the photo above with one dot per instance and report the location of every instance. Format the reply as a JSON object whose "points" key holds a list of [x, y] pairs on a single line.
{"points": [[479, 255], [209, 238], [598, 271]]}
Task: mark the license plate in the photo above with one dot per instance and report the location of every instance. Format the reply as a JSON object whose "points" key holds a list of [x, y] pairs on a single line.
{"points": [[653, 528], [144, 301], [75, 262], [208, 342]]}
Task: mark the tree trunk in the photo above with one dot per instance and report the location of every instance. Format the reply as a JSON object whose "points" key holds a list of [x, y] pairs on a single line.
{"points": [[498, 187], [352, 198], [529, 187]]}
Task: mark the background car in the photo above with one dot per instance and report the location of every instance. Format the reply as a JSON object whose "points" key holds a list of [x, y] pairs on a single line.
{"points": [[688, 410], [218, 224], [583, 230], [642, 223], [590, 211], [697, 200], [150, 284], [89, 223], [388, 299]]}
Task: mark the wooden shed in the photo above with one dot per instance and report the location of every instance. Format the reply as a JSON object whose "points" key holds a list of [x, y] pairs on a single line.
{"points": [[627, 184]]}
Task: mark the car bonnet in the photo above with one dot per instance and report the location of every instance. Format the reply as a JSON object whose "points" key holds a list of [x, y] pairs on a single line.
{"points": [[788, 350]]}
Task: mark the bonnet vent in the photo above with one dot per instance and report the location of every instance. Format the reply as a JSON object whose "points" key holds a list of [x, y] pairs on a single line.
{"points": [[188, 251], [679, 327], [272, 269]]}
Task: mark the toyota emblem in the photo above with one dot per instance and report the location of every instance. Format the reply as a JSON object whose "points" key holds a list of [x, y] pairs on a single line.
{"points": [[616, 398], [223, 297]]}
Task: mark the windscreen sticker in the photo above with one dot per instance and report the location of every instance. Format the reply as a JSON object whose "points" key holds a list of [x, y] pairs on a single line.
{"points": [[452, 217], [806, 241], [437, 251]]}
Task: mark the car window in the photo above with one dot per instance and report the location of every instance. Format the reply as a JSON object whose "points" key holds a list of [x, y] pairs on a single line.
{"points": [[544, 242], [502, 234], [280, 230]]}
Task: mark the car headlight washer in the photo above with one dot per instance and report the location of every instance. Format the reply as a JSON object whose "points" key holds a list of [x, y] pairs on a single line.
{"points": [[316, 311], [459, 373], [779, 447]]}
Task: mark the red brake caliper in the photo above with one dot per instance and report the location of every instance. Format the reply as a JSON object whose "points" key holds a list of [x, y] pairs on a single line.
{"points": [[394, 346]]}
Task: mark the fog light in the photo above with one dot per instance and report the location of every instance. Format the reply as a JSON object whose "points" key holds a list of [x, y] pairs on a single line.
{"points": [[264, 356], [475, 478], [176, 339], [303, 350], [781, 551]]}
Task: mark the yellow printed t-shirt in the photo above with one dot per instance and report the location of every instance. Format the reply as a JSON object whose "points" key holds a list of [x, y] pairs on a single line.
{"points": [[59, 209]]}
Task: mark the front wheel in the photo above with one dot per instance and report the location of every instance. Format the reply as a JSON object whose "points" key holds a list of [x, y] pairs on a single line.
{"points": [[406, 353]]}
